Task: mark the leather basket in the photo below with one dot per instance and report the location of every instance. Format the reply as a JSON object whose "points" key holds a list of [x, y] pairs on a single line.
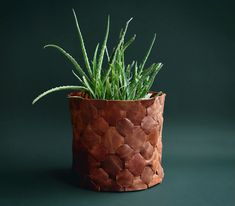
{"points": [[117, 144]]}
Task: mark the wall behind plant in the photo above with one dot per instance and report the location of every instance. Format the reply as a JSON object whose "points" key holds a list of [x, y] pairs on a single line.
{"points": [[195, 41]]}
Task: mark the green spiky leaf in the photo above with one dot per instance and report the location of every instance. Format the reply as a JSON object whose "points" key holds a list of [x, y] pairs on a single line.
{"points": [[115, 79], [60, 88]]}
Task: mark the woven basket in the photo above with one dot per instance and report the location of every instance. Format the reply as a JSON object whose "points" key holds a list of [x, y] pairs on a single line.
{"points": [[117, 145]]}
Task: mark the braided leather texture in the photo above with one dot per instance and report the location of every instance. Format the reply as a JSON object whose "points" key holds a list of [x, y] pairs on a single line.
{"points": [[117, 145]]}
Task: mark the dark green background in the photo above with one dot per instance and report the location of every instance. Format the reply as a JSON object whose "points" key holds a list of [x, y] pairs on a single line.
{"points": [[195, 41]]}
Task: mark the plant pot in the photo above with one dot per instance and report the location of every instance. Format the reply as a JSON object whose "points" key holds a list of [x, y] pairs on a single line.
{"points": [[117, 144]]}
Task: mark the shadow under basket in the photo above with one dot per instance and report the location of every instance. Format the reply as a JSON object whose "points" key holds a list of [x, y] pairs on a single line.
{"points": [[117, 144]]}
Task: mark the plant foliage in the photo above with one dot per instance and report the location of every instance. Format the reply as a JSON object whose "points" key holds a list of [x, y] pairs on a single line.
{"points": [[118, 81]]}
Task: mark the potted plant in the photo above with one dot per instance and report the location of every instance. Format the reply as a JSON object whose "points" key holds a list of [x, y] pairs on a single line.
{"points": [[117, 122]]}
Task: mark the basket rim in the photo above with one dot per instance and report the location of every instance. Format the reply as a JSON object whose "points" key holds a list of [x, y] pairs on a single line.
{"points": [[74, 95]]}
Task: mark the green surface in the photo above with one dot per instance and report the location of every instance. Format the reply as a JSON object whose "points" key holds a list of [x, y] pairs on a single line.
{"points": [[198, 159], [195, 41]]}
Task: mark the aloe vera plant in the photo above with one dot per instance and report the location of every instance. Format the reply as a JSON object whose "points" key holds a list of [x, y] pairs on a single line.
{"points": [[117, 80]]}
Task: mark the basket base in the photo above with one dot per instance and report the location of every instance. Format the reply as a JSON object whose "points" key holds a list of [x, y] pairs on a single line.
{"points": [[112, 186]]}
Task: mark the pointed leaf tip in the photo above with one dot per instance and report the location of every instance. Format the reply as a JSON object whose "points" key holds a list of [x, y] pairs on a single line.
{"points": [[73, 11], [129, 20]]}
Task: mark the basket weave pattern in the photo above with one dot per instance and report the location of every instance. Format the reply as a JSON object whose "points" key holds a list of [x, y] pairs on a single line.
{"points": [[117, 145]]}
